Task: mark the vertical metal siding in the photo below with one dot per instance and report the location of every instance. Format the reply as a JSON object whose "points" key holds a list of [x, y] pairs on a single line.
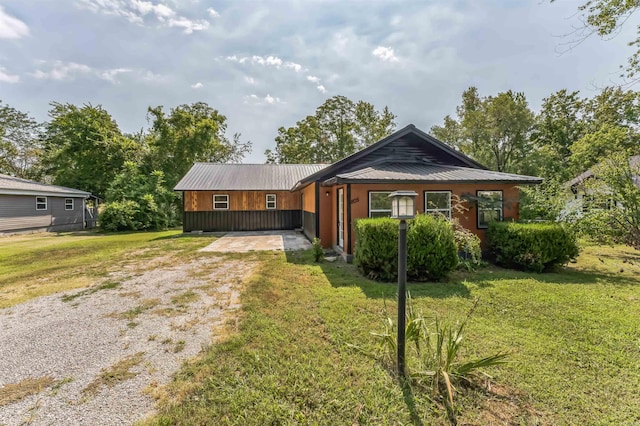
{"points": [[213, 221], [309, 224]]}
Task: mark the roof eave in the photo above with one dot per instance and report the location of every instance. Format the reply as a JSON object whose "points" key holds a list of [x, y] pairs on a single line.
{"points": [[338, 181]]}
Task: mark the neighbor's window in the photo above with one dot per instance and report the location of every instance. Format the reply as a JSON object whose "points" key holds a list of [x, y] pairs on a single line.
{"points": [[379, 204], [489, 207], [438, 202], [68, 203], [221, 202], [41, 203], [271, 201]]}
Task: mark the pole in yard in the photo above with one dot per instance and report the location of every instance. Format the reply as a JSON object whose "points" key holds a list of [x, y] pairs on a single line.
{"points": [[402, 293]]}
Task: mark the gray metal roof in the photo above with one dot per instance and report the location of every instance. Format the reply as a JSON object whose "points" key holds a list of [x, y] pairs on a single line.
{"points": [[634, 163], [18, 186], [245, 177], [425, 172]]}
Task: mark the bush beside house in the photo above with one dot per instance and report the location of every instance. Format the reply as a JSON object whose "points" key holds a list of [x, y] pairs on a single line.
{"points": [[432, 251], [534, 247]]}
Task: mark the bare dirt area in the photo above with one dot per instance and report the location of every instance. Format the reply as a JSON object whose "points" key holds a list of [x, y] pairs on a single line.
{"points": [[97, 355]]}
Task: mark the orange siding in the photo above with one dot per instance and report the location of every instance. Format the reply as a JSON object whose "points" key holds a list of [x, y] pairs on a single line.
{"points": [[359, 201], [241, 200], [310, 198]]}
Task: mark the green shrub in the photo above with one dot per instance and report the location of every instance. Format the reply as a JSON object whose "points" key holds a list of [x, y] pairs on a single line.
{"points": [[535, 247], [469, 249], [318, 252], [431, 249], [120, 216]]}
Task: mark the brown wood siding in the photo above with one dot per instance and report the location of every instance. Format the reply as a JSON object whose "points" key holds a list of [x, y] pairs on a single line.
{"points": [[202, 201], [309, 198]]}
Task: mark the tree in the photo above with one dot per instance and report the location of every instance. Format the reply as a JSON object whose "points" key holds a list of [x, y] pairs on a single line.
{"points": [[494, 130], [138, 201], [613, 214], [338, 129], [605, 18], [20, 144], [84, 148], [190, 133], [595, 146]]}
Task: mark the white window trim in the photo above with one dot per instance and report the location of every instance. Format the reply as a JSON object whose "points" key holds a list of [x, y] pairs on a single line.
{"points": [[46, 204], [72, 204], [500, 210], [226, 202], [274, 201], [378, 210], [446, 212]]}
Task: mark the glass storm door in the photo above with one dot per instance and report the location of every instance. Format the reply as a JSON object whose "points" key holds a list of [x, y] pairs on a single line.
{"points": [[341, 218]]}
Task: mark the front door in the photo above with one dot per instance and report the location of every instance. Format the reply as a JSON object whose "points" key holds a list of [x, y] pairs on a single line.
{"points": [[341, 218]]}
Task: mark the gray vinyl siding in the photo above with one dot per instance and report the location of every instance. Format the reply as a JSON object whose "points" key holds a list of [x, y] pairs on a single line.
{"points": [[19, 212]]}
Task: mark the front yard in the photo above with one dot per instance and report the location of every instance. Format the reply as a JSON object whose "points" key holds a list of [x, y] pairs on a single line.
{"points": [[573, 336]]}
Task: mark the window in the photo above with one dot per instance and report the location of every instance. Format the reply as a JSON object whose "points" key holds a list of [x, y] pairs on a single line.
{"points": [[379, 204], [221, 202], [41, 203], [438, 202], [271, 201], [68, 203], [489, 207]]}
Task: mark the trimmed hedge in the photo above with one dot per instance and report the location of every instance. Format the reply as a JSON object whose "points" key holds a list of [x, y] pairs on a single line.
{"points": [[431, 249], [534, 247]]}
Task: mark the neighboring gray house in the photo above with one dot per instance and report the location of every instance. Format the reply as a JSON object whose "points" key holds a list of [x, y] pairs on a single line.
{"points": [[30, 206]]}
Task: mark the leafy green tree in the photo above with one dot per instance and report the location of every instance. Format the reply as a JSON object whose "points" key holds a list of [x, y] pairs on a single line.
{"points": [[189, 133], [595, 146], [605, 18], [339, 128], [139, 201], [557, 127], [494, 130], [613, 213], [20, 144], [84, 148]]}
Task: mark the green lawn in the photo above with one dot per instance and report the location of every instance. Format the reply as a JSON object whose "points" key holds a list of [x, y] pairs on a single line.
{"points": [[574, 336], [574, 339]]}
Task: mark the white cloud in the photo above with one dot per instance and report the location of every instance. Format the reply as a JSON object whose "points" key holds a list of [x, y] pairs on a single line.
{"points": [[188, 25], [11, 27], [385, 54], [267, 61], [313, 79], [321, 88], [250, 80], [8, 78], [112, 74], [135, 11], [267, 100], [198, 85], [213, 13], [60, 71]]}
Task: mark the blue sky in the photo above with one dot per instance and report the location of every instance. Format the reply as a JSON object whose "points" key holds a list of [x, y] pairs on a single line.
{"points": [[269, 64]]}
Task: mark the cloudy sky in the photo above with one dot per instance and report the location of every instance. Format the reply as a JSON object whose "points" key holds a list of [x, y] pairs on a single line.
{"points": [[268, 64]]}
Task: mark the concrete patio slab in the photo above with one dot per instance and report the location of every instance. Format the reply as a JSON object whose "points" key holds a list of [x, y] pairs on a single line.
{"points": [[242, 242]]}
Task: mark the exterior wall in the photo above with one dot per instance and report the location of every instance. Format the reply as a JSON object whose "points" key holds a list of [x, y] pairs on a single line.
{"points": [[200, 201], [219, 221], [309, 211], [359, 201], [18, 212], [326, 223]]}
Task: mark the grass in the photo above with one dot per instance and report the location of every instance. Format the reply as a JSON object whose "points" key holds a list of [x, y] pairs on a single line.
{"points": [[13, 392], [41, 264], [115, 374], [572, 336]]}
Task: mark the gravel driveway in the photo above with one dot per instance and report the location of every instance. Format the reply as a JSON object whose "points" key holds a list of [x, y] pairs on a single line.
{"points": [[102, 351]]}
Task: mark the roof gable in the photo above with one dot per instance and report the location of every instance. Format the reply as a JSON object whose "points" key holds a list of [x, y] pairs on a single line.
{"points": [[407, 144]]}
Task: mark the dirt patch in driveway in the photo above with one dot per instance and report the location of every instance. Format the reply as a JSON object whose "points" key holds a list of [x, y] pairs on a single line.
{"points": [[85, 340]]}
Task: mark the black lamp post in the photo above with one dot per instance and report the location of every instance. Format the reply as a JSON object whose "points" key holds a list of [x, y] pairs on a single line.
{"points": [[403, 208]]}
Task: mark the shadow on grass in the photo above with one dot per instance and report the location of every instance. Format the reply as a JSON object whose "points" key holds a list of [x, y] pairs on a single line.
{"points": [[340, 274], [409, 399]]}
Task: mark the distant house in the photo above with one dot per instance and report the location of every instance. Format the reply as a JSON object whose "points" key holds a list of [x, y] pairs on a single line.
{"points": [[326, 200], [582, 194], [28, 206]]}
